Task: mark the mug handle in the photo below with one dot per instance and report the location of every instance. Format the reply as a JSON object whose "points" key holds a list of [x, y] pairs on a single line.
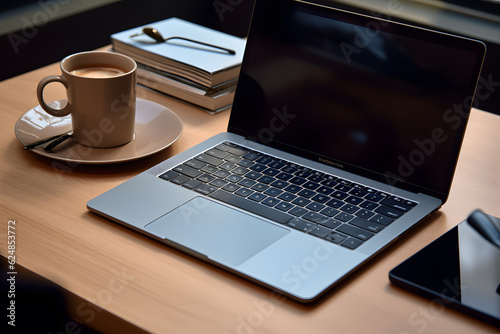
{"points": [[39, 93]]}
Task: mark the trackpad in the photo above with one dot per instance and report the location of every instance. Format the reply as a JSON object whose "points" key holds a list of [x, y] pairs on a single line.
{"points": [[217, 231]]}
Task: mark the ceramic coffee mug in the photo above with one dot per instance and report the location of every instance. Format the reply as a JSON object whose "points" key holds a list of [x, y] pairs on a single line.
{"points": [[101, 93]]}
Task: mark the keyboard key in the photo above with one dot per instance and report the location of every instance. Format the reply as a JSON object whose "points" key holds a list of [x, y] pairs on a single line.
{"points": [[257, 167], [342, 187], [240, 170], [313, 206], [206, 178], [355, 232], [334, 203], [284, 206], [195, 164], [284, 176], [279, 184], [234, 159], [320, 198], [180, 179], [270, 201], [293, 188], [237, 151], [218, 183], [353, 200], [205, 189], [252, 206], [358, 192], [310, 185], [313, 216], [223, 147], [227, 166], [317, 177], [257, 197], [269, 191], [352, 243], [266, 179], [343, 217], [325, 190], [329, 212], [260, 187], [289, 169], [209, 159], [209, 169], [234, 178], [304, 173], [399, 205], [191, 184], [297, 180], [298, 211], [368, 205], [301, 201], [363, 213], [306, 193], [330, 223], [330, 182], [339, 195], [244, 192], [264, 159], [335, 237], [231, 187], [301, 224], [389, 212], [253, 175], [381, 220], [349, 208], [186, 170], [366, 224], [217, 153], [251, 156], [222, 174], [287, 196], [320, 231], [247, 183], [374, 197], [243, 163], [271, 171], [168, 175]]}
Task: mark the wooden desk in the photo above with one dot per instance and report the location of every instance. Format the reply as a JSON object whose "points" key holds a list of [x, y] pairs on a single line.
{"points": [[164, 291]]}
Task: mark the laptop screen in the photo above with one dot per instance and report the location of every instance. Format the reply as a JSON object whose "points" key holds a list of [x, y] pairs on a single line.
{"points": [[380, 99]]}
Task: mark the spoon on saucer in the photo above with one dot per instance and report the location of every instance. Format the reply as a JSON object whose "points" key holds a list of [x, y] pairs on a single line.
{"points": [[157, 36]]}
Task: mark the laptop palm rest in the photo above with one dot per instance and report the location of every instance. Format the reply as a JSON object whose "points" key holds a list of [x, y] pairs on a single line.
{"points": [[219, 232]]}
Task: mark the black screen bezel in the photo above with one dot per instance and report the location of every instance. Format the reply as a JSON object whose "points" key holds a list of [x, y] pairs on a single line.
{"points": [[264, 10]]}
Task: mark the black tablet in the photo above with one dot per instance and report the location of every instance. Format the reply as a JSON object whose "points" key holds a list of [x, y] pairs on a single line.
{"points": [[460, 270]]}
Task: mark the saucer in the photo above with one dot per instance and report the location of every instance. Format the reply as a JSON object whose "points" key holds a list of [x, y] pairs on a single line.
{"points": [[156, 128]]}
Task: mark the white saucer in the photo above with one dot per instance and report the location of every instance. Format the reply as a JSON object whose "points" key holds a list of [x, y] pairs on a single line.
{"points": [[156, 128]]}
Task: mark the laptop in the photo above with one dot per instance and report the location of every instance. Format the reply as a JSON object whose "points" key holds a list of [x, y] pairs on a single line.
{"points": [[344, 133]]}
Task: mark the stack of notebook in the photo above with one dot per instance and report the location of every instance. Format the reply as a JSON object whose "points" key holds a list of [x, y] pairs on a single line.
{"points": [[196, 73]]}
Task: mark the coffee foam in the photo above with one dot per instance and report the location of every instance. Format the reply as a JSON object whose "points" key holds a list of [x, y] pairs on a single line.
{"points": [[97, 72]]}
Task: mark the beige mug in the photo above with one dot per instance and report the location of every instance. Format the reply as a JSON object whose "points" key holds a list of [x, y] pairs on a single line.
{"points": [[101, 94]]}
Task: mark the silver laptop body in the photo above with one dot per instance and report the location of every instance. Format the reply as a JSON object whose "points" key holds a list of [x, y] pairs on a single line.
{"points": [[374, 109]]}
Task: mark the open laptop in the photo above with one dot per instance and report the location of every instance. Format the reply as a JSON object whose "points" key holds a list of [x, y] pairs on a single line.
{"points": [[344, 133]]}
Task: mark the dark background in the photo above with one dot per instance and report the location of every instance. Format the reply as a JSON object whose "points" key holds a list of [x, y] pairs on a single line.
{"points": [[92, 29]]}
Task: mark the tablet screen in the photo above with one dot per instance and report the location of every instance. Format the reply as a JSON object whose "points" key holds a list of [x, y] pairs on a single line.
{"points": [[460, 270]]}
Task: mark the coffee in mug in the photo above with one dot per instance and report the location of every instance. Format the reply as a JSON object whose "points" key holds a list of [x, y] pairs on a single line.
{"points": [[101, 94], [98, 71]]}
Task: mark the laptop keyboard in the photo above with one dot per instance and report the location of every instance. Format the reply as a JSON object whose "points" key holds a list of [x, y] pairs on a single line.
{"points": [[328, 207]]}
